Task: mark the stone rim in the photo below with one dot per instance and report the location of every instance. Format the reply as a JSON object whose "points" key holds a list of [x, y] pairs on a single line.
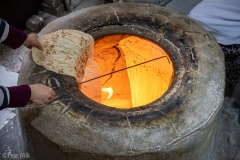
{"points": [[147, 26]]}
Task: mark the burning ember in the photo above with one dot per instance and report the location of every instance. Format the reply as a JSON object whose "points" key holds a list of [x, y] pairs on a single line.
{"points": [[108, 90], [132, 87]]}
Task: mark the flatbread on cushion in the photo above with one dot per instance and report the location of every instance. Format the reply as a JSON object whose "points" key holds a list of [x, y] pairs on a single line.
{"points": [[70, 52], [63, 51]]}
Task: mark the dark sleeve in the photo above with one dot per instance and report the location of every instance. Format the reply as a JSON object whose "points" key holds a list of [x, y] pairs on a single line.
{"points": [[19, 95], [15, 38]]}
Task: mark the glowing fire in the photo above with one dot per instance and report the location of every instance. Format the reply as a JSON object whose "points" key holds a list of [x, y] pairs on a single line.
{"points": [[108, 90], [135, 86]]}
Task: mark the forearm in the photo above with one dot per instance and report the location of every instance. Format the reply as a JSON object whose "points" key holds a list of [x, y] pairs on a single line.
{"points": [[14, 96]]}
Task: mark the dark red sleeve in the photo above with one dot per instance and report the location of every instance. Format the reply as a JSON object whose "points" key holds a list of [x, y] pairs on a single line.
{"points": [[15, 38], [19, 95]]}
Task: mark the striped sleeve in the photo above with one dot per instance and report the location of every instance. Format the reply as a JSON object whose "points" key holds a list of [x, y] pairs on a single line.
{"points": [[11, 36], [4, 29], [16, 96], [4, 97]]}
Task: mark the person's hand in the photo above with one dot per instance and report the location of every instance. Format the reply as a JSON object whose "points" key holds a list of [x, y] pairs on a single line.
{"points": [[32, 41], [41, 94]]}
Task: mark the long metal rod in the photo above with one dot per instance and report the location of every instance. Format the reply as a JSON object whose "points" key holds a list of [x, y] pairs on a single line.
{"points": [[70, 86], [121, 69]]}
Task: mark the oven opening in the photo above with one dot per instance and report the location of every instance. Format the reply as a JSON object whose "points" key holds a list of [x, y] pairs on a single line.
{"points": [[134, 71]]}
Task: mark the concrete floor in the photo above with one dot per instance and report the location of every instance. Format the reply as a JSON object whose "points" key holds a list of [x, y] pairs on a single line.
{"points": [[228, 130]]}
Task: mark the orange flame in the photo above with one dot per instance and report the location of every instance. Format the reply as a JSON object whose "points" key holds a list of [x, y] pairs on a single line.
{"points": [[108, 90], [133, 87]]}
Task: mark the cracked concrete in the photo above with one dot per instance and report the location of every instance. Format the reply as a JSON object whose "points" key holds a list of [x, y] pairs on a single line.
{"points": [[115, 13], [131, 136]]}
